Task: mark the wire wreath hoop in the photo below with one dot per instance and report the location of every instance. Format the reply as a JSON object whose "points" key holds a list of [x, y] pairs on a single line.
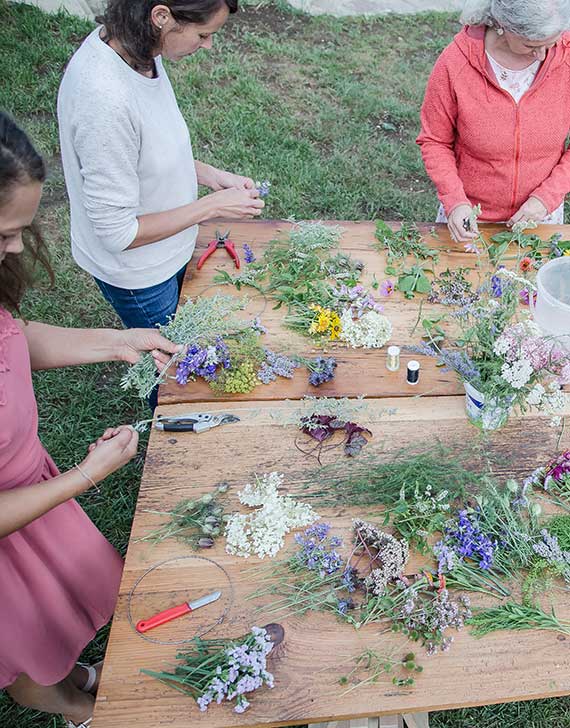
{"points": [[206, 631]]}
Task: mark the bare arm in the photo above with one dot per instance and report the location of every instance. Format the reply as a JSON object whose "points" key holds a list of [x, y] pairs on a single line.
{"points": [[21, 506], [53, 346]]}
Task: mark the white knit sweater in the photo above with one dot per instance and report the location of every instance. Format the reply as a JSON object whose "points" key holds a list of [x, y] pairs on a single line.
{"points": [[126, 152]]}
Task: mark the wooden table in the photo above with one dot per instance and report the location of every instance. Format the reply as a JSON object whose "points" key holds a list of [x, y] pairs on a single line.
{"points": [[359, 372], [317, 650]]}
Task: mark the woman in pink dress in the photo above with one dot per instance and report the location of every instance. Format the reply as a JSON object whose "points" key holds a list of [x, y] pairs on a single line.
{"points": [[59, 576]]}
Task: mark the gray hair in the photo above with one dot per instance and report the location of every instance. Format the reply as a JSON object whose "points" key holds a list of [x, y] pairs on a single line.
{"points": [[531, 19]]}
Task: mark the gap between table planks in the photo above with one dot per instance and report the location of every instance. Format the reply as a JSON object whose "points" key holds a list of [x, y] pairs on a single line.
{"points": [[359, 371], [317, 650]]}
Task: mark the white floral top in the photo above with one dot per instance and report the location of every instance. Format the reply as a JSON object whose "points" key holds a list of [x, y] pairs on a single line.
{"points": [[516, 83]]}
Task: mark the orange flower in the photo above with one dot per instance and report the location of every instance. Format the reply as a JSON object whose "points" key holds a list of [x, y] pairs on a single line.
{"points": [[525, 264]]}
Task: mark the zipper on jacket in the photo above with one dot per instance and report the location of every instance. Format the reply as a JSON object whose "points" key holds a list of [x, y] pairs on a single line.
{"points": [[517, 157]]}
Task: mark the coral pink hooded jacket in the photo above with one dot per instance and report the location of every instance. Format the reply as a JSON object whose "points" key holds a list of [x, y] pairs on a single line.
{"points": [[480, 147]]}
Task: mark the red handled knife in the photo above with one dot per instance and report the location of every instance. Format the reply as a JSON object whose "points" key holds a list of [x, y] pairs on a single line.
{"points": [[145, 624]]}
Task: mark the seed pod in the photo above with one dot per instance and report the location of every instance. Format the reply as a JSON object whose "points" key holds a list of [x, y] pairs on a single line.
{"points": [[206, 498], [205, 543]]}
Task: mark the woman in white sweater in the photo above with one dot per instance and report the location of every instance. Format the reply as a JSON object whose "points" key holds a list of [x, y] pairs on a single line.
{"points": [[130, 173]]}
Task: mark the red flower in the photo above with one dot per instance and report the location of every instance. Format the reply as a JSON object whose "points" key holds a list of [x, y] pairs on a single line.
{"points": [[525, 264]]}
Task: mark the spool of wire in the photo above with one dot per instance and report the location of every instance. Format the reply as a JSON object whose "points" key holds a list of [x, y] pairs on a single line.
{"points": [[413, 376], [393, 359]]}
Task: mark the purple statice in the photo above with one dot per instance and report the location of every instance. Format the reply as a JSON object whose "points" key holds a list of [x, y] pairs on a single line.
{"points": [[276, 365], [317, 550], [203, 361], [248, 254], [322, 369], [463, 539], [264, 188]]}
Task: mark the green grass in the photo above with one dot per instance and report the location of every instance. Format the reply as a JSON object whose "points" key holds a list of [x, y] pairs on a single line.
{"points": [[326, 109]]}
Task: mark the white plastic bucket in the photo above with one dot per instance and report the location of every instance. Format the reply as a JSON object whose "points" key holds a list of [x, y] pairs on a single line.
{"points": [[552, 307]]}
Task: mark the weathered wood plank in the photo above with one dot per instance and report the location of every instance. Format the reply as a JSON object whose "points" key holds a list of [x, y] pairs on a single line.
{"points": [[317, 649], [359, 371]]}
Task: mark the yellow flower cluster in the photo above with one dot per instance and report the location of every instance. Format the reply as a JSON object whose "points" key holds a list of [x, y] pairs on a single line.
{"points": [[326, 321]]}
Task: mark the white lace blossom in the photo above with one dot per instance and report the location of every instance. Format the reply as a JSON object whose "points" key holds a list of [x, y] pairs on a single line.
{"points": [[263, 531], [371, 330], [517, 373]]}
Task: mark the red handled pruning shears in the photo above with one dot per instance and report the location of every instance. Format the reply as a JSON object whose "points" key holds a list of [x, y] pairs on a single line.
{"points": [[221, 241]]}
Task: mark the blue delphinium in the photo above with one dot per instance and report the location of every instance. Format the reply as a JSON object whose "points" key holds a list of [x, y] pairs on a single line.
{"points": [[276, 365], [203, 361], [322, 369], [248, 254], [463, 539]]}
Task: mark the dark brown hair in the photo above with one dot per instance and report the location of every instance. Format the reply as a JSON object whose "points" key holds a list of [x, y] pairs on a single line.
{"points": [[20, 164], [128, 21]]}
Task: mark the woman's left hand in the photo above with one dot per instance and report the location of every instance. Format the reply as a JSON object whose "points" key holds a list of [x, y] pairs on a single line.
{"points": [[134, 342], [222, 180], [533, 209]]}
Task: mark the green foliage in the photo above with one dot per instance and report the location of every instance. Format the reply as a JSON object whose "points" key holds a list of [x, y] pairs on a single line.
{"points": [[400, 244], [514, 616], [559, 526], [371, 480], [194, 522]]}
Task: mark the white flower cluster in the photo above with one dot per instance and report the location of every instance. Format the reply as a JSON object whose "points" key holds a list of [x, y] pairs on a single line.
{"points": [[552, 401], [517, 373], [263, 531], [371, 330]]}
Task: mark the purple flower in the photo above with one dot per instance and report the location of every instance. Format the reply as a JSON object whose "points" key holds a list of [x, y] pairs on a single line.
{"points": [[471, 247], [387, 288], [322, 369], [464, 539], [263, 188], [249, 255], [276, 365]]}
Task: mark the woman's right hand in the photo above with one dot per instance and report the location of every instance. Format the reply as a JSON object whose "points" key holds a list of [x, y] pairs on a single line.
{"points": [[236, 204], [115, 447], [455, 223]]}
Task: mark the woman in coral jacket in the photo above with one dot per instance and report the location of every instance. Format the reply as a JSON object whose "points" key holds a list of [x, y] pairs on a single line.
{"points": [[496, 115]]}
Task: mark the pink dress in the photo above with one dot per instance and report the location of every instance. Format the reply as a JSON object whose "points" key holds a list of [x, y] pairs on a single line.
{"points": [[59, 576]]}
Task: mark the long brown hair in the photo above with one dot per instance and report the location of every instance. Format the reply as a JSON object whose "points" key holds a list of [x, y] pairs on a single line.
{"points": [[128, 21], [20, 164]]}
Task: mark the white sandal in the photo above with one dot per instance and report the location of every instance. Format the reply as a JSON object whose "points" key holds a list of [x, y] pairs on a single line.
{"points": [[91, 677], [85, 724]]}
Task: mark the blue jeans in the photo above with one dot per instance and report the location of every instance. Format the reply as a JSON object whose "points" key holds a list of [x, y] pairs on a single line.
{"points": [[144, 307]]}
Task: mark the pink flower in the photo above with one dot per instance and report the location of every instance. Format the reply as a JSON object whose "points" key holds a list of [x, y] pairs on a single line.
{"points": [[387, 288]]}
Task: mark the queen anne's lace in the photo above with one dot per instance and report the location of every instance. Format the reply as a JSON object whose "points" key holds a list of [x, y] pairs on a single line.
{"points": [[263, 531], [371, 330]]}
